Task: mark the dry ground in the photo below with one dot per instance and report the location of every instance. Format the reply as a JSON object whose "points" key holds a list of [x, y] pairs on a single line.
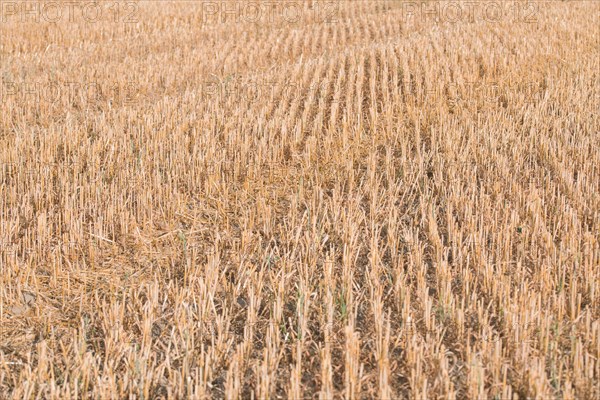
{"points": [[345, 200]]}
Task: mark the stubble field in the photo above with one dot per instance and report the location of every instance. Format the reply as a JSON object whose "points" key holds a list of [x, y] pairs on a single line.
{"points": [[300, 199]]}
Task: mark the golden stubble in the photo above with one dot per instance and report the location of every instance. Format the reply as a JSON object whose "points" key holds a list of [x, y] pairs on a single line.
{"points": [[357, 207]]}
